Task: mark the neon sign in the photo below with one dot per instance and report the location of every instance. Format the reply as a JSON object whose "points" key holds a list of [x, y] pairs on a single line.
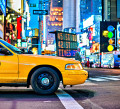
{"points": [[19, 27]]}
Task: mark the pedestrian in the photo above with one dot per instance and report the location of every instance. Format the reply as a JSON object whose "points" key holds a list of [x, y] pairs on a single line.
{"points": [[91, 63], [88, 63]]}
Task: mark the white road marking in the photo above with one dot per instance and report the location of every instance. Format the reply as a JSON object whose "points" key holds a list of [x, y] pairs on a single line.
{"points": [[105, 78], [115, 76], [112, 78], [92, 104], [46, 101], [97, 79], [88, 83], [67, 100]]}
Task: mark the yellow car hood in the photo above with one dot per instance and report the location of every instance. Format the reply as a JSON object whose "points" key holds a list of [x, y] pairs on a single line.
{"points": [[35, 60], [41, 57]]}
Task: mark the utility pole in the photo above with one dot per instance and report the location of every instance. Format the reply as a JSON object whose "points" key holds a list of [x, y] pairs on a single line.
{"points": [[41, 12], [40, 28]]}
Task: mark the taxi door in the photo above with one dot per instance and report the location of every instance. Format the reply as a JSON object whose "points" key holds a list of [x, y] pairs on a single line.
{"points": [[8, 66]]}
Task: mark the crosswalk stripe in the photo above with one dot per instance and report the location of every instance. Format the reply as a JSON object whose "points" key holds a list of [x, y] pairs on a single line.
{"points": [[67, 100], [113, 78], [97, 79], [105, 78], [88, 83]]}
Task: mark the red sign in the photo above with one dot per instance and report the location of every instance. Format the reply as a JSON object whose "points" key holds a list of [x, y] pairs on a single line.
{"points": [[19, 27]]}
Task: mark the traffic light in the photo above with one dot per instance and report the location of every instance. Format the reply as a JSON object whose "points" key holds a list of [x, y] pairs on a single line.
{"points": [[108, 36]]}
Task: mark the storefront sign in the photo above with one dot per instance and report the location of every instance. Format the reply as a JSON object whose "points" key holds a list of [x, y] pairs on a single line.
{"points": [[19, 43]]}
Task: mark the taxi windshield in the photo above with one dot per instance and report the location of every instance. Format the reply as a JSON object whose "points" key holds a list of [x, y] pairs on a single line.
{"points": [[14, 49]]}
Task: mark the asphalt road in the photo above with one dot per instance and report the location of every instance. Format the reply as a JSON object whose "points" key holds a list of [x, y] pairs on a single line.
{"points": [[100, 91]]}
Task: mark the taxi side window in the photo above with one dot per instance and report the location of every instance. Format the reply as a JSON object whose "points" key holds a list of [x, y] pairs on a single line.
{"points": [[4, 51]]}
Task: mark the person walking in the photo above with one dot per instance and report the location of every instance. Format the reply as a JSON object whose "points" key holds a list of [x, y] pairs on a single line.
{"points": [[88, 63]]}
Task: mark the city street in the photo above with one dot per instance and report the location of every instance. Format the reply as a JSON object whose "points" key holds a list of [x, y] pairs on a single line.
{"points": [[66, 51], [100, 91]]}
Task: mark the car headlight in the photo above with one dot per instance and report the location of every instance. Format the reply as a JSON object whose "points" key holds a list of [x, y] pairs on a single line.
{"points": [[73, 67]]}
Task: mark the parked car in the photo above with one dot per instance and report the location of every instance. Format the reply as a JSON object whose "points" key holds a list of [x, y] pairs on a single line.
{"points": [[43, 73]]}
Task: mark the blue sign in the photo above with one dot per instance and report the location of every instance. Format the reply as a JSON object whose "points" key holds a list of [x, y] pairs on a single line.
{"points": [[119, 28], [30, 33], [3, 6]]}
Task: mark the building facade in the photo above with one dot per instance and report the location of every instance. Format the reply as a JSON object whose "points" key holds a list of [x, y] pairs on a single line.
{"points": [[55, 22], [111, 10], [15, 21]]}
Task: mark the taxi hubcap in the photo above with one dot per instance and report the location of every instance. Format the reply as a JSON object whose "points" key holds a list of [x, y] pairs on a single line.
{"points": [[45, 81]]}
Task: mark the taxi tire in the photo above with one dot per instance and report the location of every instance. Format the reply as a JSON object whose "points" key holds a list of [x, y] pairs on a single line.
{"points": [[54, 75]]}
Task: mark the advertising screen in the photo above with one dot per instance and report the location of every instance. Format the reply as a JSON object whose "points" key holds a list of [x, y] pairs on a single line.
{"points": [[66, 44]]}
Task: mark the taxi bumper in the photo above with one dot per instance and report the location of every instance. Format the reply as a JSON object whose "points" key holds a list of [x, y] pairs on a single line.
{"points": [[74, 77]]}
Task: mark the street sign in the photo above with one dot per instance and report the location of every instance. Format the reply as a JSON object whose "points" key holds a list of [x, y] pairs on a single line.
{"points": [[40, 12], [32, 5]]}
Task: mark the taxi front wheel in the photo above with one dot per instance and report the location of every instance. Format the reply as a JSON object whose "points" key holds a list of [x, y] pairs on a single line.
{"points": [[45, 80]]}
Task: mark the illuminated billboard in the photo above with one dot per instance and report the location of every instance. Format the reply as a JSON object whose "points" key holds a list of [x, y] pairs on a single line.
{"points": [[88, 22], [66, 44]]}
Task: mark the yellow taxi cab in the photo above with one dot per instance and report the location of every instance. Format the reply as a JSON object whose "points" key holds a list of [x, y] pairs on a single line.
{"points": [[43, 73]]}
